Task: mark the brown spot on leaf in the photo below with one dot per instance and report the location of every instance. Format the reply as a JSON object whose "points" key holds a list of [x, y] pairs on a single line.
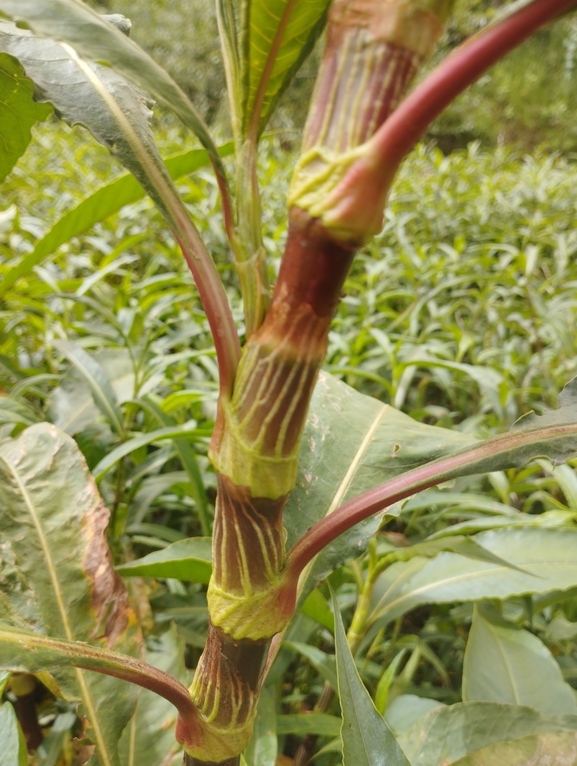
{"points": [[109, 597]]}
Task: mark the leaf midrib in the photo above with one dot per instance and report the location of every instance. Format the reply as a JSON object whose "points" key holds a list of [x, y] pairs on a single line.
{"points": [[463, 578]]}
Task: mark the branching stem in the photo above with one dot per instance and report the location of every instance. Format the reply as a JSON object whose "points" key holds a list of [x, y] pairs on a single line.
{"points": [[395, 139]]}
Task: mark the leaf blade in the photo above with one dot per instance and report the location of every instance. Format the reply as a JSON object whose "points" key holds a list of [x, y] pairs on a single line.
{"points": [[189, 560], [281, 34], [545, 555], [69, 589], [507, 664], [366, 736], [72, 22], [18, 113]]}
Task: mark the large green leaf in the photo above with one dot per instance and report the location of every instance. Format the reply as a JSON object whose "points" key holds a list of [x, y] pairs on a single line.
{"points": [[18, 113], [506, 664], [159, 434], [56, 573], [189, 560], [14, 411], [281, 34], [533, 750], [96, 39], [72, 405], [552, 435], [447, 734], [352, 442], [547, 557], [367, 738], [115, 111], [105, 201]]}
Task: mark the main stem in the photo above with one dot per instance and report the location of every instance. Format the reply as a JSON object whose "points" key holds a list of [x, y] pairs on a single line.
{"points": [[255, 449], [372, 47]]}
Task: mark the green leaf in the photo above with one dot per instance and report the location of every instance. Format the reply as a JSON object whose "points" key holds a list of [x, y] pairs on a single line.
{"points": [[447, 734], [13, 750], [405, 709], [117, 113], [549, 749], [263, 747], [547, 557], [57, 574], [352, 442], [100, 386], [13, 411], [316, 606], [367, 738], [105, 201], [160, 434], [72, 22], [279, 35], [302, 724], [18, 113], [189, 560], [507, 664], [190, 464], [71, 405], [386, 680], [150, 736], [552, 435], [321, 661]]}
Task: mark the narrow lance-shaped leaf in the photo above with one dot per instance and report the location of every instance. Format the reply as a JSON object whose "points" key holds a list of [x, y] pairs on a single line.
{"points": [[544, 559], [552, 435], [263, 747], [117, 113], [190, 464], [279, 35], [504, 663], [189, 560], [105, 201], [367, 738], [56, 573], [100, 386], [18, 113], [168, 432]]}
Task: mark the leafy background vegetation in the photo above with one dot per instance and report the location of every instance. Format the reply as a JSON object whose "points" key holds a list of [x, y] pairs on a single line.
{"points": [[462, 313]]}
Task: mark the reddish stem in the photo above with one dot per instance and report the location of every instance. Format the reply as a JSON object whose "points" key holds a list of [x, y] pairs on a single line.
{"points": [[401, 131], [478, 459], [459, 70]]}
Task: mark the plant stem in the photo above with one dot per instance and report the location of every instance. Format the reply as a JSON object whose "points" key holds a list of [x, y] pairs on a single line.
{"points": [[371, 175], [52, 652]]}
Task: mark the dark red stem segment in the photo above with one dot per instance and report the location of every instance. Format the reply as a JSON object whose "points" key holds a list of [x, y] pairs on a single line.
{"points": [[25, 709]]}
